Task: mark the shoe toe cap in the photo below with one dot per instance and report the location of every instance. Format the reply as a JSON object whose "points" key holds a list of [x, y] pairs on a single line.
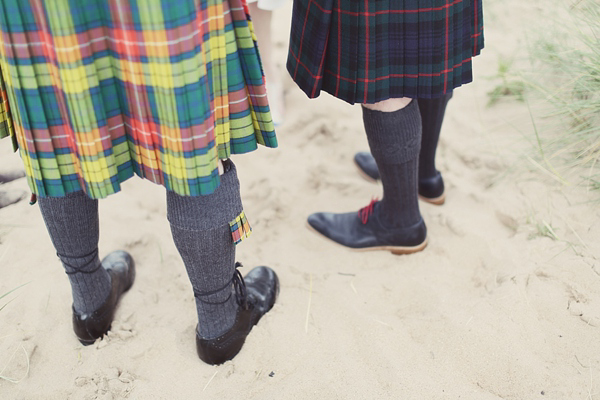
{"points": [[316, 220], [262, 283], [366, 163], [322, 222], [362, 157], [122, 264]]}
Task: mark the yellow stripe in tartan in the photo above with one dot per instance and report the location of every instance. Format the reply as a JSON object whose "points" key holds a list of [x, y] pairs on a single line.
{"points": [[156, 36], [218, 47], [215, 11], [79, 79], [251, 26], [67, 48], [8, 93], [152, 14]]}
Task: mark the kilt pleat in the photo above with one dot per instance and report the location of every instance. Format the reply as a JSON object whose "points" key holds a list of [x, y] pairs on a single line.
{"points": [[367, 51], [95, 91]]}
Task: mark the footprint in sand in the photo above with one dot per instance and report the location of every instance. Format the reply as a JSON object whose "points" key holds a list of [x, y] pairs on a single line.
{"points": [[121, 330], [321, 178], [111, 383], [452, 224]]}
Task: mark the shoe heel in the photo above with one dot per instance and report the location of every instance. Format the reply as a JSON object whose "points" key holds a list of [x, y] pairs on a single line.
{"points": [[398, 251], [438, 201]]}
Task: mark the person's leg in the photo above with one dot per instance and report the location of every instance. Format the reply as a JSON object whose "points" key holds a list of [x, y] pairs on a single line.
{"points": [[393, 129], [201, 232], [261, 20], [431, 185], [227, 306], [432, 116], [72, 223]]}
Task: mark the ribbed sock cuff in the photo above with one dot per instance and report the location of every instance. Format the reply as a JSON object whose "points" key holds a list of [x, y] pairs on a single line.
{"points": [[211, 211], [394, 137]]}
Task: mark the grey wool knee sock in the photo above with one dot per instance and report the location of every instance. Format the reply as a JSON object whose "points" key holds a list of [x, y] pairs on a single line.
{"points": [[395, 139], [72, 222], [201, 232]]}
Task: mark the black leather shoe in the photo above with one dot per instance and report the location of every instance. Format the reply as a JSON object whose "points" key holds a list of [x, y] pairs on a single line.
{"points": [[367, 166], [364, 231], [431, 189], [89, 327], [256, 294]]}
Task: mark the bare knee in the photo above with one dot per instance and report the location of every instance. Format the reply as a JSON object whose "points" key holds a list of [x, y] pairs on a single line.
{"points": [[389, 105]]}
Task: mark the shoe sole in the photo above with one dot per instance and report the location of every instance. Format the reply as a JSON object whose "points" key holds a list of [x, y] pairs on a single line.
{"points": [[437, 201], [397, 250]]}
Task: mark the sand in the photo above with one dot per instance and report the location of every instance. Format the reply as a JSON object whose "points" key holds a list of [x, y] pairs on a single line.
{"points": [[494, 308]]}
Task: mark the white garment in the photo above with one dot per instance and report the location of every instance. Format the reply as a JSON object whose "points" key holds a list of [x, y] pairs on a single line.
{"points": [[269, 5]]}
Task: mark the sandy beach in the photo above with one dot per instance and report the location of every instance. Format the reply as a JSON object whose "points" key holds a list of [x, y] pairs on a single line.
{"points": [[504, 303]]}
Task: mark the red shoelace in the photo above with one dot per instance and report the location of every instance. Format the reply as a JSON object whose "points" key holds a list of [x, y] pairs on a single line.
{"points": [[365, 212]]}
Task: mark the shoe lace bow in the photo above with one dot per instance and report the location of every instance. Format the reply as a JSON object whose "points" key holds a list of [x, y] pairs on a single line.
{"points": [[365, 212]]}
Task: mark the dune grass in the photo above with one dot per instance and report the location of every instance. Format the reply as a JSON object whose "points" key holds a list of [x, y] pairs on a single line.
{"points": [[566, 72], [561, 88], [510, 86], [8, 293]]}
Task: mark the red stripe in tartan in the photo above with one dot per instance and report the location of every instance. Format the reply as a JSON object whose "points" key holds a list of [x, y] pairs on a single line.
{"points": [[320, 68], [446, 56], [367, 57], [320, 8], [476, 28], [417, 10], [291, 52], [302, 37], [338, 76], [380, 78]]}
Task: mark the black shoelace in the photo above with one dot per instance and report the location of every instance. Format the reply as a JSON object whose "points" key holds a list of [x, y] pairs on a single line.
{"points": [[238, 284], [75, 270]]}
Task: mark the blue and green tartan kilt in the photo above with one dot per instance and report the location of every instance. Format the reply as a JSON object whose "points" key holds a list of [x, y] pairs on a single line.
{"points": [[369, 51]]}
